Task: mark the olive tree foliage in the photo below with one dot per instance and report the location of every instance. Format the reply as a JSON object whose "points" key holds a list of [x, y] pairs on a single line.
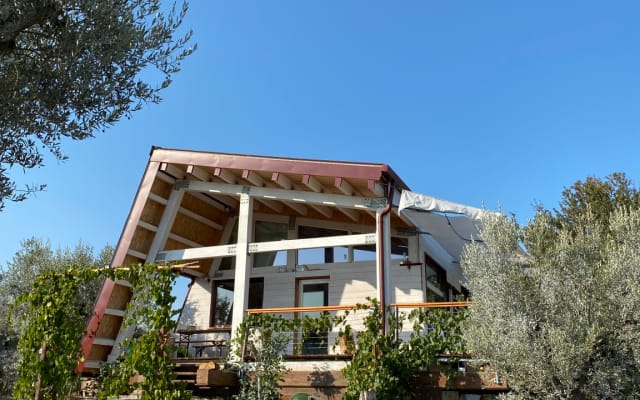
{"points": [[34, 258], [69, 68], [561, 321]]}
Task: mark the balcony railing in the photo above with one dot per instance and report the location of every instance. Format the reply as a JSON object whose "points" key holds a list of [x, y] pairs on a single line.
{"points": [[323, 340]]}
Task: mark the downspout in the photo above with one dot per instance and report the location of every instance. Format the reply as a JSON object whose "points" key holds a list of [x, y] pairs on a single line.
{"points": [[381, 257]]}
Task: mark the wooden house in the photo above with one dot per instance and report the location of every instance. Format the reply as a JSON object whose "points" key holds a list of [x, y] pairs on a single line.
{"points": [[278, 234]]}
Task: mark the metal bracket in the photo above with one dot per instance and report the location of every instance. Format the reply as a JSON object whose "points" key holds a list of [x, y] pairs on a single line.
{"points": [[181, 184], [375, 202]]}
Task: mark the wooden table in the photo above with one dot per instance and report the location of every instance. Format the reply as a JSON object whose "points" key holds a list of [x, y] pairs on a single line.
{"points": [[185, 338]]}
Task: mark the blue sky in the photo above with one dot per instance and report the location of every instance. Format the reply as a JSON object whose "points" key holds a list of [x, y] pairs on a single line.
{"points": [[493, 103]]}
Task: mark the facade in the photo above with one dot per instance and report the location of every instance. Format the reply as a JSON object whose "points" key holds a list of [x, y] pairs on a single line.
{"points": [[269, 234]]}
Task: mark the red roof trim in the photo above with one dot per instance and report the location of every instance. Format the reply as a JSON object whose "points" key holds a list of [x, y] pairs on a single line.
{"points": [[300, 166]]}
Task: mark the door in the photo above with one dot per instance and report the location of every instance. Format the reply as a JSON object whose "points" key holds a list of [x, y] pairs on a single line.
{"points": [[314, 293]]}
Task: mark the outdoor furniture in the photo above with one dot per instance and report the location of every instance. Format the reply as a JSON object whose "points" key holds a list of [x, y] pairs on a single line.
{"points": [[198, 340]]}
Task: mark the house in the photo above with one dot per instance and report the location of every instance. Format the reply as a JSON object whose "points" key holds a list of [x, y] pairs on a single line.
{"points": [[276, 234]]}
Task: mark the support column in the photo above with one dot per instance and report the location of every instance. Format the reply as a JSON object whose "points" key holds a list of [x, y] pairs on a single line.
{"points": [[166, 222], [383, 262], [243, 262]]}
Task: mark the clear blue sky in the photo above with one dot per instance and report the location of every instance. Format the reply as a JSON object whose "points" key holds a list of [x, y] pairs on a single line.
{"points": [[488, 103]]}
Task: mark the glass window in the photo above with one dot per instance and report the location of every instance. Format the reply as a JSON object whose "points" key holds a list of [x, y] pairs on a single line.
{"points": [[326, 255], [222, 296], [229, 263], [399, 250], [268, 232]]}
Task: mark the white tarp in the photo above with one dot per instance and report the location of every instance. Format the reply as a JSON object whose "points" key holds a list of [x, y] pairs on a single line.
{"points": [[444, 227]]}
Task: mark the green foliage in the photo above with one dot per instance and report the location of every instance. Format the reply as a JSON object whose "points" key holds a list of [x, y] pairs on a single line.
{"points": [[262, 338], [69, 68], [148, 354], [596, 198], [50, 341], [561, 322], [384, 364], [36, 257]]}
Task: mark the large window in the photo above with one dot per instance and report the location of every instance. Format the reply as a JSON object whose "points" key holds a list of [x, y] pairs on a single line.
{"points": [[437, 287], [399, 250], [268, 232], [326, 255], [313, 293], [222, 296]]}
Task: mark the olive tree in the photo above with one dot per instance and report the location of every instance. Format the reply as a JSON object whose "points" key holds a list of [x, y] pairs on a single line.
{"points": [[556, 302], [70, 68]]}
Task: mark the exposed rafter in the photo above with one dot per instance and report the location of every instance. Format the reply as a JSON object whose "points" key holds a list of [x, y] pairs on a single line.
{"points": [[281, 180], [253, 178], [312, 183], [345, 187], [225, 175], [335, 200]]}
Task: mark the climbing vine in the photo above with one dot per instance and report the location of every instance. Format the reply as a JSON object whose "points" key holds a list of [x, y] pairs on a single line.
{"points": [[381, 364], [50, 345], [384, 364]]}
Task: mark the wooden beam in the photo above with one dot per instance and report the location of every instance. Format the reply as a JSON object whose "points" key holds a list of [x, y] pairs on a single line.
{"points": [[137, 254], [263, 247], [281, 180], [225, 175], [198, 173], [344, 186], [198, 253], [375, 188], [297, 207], [326, 211], [352, 214], [200, 218], [253, 178], [326, 199], [172, 236], [187, 212], [312, 183], [313, 243]]}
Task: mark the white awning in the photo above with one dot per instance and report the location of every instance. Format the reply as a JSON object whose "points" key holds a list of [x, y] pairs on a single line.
{"points": [[444, 228]]}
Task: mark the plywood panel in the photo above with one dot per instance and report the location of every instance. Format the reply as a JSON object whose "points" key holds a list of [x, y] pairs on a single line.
{"points": [[161, 188], [119, 297], [99, 352], [152, 212], [142, 240], [109, 327], [195, 230], [206, 210]]}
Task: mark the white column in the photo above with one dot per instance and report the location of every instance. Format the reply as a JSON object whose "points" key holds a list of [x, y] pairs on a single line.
{"points": [[243, 262], [383, 260], [166, 222]]}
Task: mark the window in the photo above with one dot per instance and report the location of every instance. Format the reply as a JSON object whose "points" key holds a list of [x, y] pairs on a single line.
{"points": [[327, 255], [222, 296], [399, 249], [268, 232], [314, 293], [229, 263], [437, 287]]}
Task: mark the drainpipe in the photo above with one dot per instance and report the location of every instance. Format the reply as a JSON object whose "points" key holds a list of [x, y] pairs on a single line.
{"points": [[381, 258]]}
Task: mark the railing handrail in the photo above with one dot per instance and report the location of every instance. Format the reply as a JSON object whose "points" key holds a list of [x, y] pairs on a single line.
{"points": [[285, 310], [432, 304]]}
